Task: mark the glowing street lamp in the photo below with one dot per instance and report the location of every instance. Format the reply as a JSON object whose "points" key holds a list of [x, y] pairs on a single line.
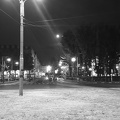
{"points": [[16, 63], [57, 36], [8, 59], [73, 59]]}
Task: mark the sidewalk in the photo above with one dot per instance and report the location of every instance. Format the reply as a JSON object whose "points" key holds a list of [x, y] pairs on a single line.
{"points": [[11, 82]]}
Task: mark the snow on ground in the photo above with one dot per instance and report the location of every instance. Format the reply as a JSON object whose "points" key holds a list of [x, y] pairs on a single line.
{"points": [[83, 103]]}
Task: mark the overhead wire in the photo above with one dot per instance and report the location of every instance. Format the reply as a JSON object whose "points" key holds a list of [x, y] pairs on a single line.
{"points": [[68, 18], [33, 23], [51, 20], [9, 16], [39, 26]]}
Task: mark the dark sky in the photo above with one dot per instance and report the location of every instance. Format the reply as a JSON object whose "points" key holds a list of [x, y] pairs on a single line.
{"points": [[46, 18]]}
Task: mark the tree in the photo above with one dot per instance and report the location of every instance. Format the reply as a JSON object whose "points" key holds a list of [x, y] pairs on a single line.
{"points": [[94, 41], [28, 60]]}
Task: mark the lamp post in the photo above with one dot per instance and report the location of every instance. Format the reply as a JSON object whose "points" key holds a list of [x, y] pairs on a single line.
{"points": [[22, 2], [3, 68], [16, 64], [21, 46], [73, 59], [77, 65]]}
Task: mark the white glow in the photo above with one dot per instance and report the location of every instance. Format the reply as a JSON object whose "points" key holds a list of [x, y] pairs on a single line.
{"points": [[43, 74], [93, 73], [48, 68], [12, 72], [5, 72], [73, 59], [57, 36], [56, 71], [9, 59], [46, 78], [117, 66], [83, 67], [90, 69], [16, 63], [60, 63], [25, 72]]}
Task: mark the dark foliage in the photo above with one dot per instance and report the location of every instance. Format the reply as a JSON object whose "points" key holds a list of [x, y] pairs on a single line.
{"points": [[91, 41]]}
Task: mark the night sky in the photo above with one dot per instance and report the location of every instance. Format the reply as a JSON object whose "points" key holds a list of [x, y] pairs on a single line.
{"points": [[45, 18]]}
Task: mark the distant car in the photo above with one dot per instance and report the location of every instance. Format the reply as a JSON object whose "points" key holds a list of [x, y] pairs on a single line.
{"points": [[44, 79]]}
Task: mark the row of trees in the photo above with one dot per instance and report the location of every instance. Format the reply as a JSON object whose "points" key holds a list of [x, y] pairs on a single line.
{"points": [[94, 42]]}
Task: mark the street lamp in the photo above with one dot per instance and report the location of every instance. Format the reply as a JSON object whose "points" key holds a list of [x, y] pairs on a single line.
{"points": [[17, 66], [8, 59], [22, 2], [16, 63], [21, 46], [57, 36], [73, 59]]}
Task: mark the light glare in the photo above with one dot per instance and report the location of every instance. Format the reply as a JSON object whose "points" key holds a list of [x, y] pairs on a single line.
{"points": [[57, 36], [49, 68], [8, 59], [73, 59]]}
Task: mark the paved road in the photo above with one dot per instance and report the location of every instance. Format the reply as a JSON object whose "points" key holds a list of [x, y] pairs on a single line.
{"points": [[28, 85], [59, 84]]}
